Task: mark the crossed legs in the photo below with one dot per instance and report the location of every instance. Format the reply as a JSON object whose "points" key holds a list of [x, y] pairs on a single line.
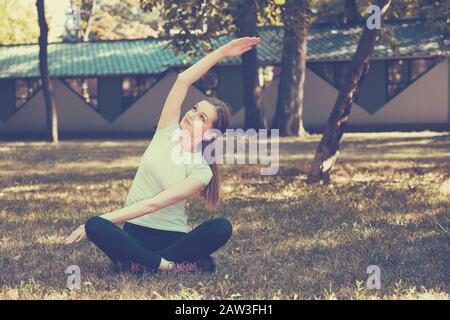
{"points": [[151, 247]]}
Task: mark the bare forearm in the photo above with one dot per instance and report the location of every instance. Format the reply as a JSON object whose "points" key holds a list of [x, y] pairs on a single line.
{"points": [[130, 212], [198, 69], [178, 192]]}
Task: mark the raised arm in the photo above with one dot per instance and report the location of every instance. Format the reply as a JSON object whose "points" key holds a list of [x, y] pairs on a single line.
{"points": [[172, 106]]}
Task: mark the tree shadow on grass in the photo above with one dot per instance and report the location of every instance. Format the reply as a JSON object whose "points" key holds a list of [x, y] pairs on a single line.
{"points": [[78, 177], [416, 262]]}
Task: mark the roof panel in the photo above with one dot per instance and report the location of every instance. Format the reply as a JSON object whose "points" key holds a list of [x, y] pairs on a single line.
{"points": [[149, 56]]}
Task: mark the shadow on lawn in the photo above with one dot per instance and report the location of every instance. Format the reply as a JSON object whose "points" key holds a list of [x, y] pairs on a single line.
{"points": [[416, 254], [353, 145], [72, 177], [287, 236], [413, 262]]}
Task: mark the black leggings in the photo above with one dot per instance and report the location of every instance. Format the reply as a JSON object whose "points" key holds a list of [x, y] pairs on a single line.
{"points": [[147, 246]]}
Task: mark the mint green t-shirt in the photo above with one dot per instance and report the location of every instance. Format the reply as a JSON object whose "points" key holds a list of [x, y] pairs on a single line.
{"points": [[163, 164]]}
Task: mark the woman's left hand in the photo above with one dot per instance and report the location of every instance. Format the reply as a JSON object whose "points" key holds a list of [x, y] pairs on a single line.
{"points": [[238, 46], [76, 236]]}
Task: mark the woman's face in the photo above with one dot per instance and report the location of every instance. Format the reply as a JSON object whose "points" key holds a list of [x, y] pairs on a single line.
{"points": [[203, 113]]}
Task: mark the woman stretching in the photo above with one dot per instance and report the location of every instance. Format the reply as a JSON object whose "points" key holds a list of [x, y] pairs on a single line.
{"points": [[155, 235]]}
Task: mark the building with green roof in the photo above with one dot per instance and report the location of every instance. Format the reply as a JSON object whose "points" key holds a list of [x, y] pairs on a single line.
{"points": [[119, 87]]}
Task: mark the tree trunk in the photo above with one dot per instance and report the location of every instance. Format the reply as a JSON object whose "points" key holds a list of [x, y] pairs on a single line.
{"points": [[328, 149], [87, 9], [288, 114], [49, 97], [246, 25]]}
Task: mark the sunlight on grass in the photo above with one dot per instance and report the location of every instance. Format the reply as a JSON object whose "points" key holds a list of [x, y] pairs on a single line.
{"points": [[388, 206], [445, 187]]}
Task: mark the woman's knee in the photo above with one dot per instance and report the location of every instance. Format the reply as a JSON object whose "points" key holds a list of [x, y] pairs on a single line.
{"points": [[93, 226], [224, 228]]}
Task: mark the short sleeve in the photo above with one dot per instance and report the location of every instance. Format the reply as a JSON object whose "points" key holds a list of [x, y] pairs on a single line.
{"points": [[167, 131], [202, 172]]}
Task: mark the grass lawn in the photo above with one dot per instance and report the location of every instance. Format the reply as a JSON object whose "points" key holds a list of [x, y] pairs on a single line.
{"points": [[389, 206]]}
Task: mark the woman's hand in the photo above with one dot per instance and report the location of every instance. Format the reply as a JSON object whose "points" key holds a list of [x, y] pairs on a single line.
{"points": [[76, 236], [238, 46]]}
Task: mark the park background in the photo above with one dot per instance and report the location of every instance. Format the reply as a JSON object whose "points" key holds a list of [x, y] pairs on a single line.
{"points": [[383, 200]]}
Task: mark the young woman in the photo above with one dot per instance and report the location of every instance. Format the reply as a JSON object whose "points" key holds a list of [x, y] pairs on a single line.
{"points": [[155, 235]]}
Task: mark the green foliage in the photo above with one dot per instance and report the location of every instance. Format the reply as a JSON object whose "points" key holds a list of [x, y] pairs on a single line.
{"points": [[194, 23], [197, 19], [18, 22], [115, 19]]}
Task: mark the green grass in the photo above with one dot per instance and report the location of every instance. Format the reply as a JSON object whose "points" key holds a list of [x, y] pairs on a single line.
{"points": [[388, 206]]}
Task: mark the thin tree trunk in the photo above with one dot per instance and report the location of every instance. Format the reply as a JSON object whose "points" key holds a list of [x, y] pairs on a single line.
{"points": [[50, 102], [87, 12], [328, 149], [246, 25], [288, 116]]}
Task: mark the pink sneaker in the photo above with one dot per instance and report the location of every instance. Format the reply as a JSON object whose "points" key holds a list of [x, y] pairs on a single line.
{"points": [[205, 265], [184, 266], [131, 267], [138, 268]]}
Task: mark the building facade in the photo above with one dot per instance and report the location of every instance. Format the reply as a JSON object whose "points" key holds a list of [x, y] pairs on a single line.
{"points": [[119, 87]]}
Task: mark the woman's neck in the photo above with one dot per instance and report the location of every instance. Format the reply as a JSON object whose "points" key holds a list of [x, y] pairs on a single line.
{"points": [[188, 145]]}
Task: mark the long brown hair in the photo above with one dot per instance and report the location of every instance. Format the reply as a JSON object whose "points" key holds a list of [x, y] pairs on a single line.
{"points": [[210, 195]]}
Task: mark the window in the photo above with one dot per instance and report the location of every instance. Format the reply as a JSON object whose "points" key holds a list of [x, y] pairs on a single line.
{"points": [[402, 72], [397, 76], [420, 66], [133, 88], [333, 72], [25, 89], [87, 88]]}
